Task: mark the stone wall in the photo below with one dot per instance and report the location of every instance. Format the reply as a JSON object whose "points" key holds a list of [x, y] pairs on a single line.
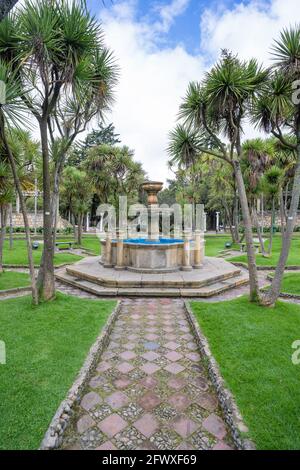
{"points": [[17, 220]]}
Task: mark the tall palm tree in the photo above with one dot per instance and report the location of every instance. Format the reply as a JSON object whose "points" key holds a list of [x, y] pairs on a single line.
{"points": [[54, 48], [275, 112], [217, 107]]}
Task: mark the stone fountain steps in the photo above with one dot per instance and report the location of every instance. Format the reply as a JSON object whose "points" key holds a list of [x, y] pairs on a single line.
{"points": [[215, 278]]}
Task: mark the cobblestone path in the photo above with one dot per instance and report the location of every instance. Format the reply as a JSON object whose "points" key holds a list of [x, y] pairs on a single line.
{"points": [[150, 389]]}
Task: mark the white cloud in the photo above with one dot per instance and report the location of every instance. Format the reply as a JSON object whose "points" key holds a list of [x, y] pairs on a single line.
{"points": [[249, 29], [152, 82], [154, 77]]}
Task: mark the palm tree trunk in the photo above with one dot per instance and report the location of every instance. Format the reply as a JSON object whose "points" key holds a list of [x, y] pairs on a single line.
{"points": [[79, 232], [3, 212], [11, 240], [272, 226], [24, 212], [46, 281], [282, 212], [273, 294], [258, 228], [253, 277]]}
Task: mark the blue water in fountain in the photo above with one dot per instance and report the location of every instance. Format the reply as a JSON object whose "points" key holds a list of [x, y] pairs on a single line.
{"points": [[146, 241]]}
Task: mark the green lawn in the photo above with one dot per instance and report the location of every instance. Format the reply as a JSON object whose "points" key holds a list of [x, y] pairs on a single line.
{"points": [[11, 280], [294, 256], [214, 244], [45, 348], [291, 283], [92, 243], [18, 255], [252, 346]]}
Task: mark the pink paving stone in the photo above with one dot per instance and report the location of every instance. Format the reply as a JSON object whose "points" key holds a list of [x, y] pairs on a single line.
{"points": [[221, 446], [150, 368], [185, 426], [149, 382], [123, 382], [149, 401], [90, 400], [103, 366], [176, 383], [113, 345], [207, 401], [129, 345], [117, 400], [174, 368], [125, 367], [169, 337], [193, 356], [192, 346], [133, 336], [172, 345], [112, 425], [150, 356], [127, 355], [96, 381], [147, 424], [84, 423], [188, 336], [108, 445], [151, 336], [215, 426], [173, 356], [179, 401]]}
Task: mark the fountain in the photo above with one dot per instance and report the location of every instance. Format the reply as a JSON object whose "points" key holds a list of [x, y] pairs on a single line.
{"points": [[153, 253], [149, 263]]}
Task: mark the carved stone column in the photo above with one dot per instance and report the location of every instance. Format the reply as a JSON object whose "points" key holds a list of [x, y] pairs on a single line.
{"points": [[120, 251], [108, 253], [186, 262]]}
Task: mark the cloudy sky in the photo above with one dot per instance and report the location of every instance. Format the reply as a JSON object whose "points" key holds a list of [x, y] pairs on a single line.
{"points": [[162, 45]]}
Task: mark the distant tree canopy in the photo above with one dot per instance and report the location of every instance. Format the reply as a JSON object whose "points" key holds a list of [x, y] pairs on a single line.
{"points": [[102, 135], [5, 7]]}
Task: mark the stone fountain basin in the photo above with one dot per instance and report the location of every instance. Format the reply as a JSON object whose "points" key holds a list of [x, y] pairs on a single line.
{"points": [[149, 256]]}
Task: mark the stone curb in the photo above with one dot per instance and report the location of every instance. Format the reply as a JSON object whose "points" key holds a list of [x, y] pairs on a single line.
{"points": [[264, 268], [230, 409], [15, 290], [61, 419]]}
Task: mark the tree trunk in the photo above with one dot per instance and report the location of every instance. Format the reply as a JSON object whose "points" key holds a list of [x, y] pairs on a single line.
{"points": [[24, 212], [3, 212], [11, 240], [46, 282], [79, 231], [253, 278], [273, 294], [282, 212], [236, 219], [272, 226], [258, 228]]}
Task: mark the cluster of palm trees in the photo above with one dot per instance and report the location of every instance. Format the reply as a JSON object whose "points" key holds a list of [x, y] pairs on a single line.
{"points": [[212, 117], [58, 75]]}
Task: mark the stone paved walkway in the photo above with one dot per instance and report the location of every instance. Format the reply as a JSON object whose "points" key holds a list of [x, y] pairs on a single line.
{"points": [[150, 389]]}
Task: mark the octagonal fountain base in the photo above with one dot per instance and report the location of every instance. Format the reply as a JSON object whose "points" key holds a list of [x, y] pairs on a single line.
{"points": [[215, 276]]}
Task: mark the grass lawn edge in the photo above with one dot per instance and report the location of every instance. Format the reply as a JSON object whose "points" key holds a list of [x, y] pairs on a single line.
{"points": [[62, 417], [227, 402]]}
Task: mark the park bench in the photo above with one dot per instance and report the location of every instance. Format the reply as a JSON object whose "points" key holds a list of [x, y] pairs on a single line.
{"points": [[67, 245], [243, 247]]}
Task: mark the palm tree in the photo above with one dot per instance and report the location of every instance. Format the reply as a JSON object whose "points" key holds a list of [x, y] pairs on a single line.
{"points": [[276, 113], [54, 48], [216, 108], [11, 112]]}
